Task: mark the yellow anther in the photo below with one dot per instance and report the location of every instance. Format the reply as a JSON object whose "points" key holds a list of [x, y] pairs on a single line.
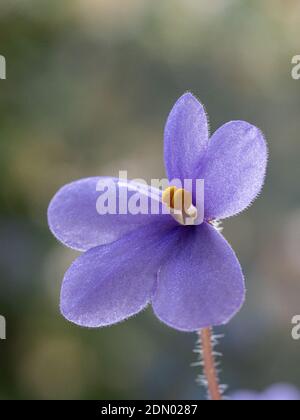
{"points": [[168, 196], [180, 204], [182, 200]]}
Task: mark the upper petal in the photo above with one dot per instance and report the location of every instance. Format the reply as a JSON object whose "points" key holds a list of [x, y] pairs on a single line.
{"points": [[112, 282], [234, 170], [74, 220], [201, 284], [186, 138]]}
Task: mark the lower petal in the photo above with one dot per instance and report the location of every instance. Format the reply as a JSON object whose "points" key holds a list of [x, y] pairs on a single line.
{"points": [[201, 284], [112, 282]]}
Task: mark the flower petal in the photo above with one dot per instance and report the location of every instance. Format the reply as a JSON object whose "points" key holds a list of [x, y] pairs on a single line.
{"points": [[234, 170], [112, 282], [201, 284], [277, 392], [74, 220], [186, 138]]}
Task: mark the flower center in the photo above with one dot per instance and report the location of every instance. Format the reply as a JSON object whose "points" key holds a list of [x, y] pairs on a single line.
{"points": [[180, 203]]}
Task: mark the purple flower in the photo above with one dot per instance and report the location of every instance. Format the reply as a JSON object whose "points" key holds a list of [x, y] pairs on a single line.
{"points": [[189, 274], [278, 392]]}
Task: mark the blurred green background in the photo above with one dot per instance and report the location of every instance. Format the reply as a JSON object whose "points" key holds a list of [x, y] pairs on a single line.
{"points": [[89, 86]]}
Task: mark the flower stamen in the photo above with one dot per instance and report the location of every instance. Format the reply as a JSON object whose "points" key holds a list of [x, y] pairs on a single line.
{"points": [[180, 203]]}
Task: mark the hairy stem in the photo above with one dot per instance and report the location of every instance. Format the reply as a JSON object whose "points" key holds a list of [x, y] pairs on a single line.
{"points": [[209, 365]]}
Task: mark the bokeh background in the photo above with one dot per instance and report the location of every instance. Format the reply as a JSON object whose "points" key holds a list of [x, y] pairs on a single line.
{"points": [[89, 86]]}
